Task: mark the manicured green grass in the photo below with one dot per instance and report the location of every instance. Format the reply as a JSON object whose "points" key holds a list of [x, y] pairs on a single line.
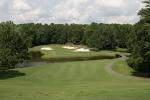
{"points": [[82, 80], [59, 52]]}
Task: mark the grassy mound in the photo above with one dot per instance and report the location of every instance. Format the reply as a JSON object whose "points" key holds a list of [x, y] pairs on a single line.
{"points": [[61, 54]]}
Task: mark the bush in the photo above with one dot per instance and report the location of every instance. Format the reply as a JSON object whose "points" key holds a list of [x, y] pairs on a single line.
{"points": [[13, 46]]}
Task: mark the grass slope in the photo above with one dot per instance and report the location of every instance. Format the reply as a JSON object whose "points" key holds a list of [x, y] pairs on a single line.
{"points": [[82, 80], [60, 52], [122, 68]]}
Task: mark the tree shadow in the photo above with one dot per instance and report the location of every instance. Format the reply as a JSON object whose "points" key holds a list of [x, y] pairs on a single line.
{"points": [[141, 74], [10, 74]]}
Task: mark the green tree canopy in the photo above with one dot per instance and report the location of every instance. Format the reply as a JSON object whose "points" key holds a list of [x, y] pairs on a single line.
{"points": [[145, 12], [139, 41], [13, 46], [140, 48]]}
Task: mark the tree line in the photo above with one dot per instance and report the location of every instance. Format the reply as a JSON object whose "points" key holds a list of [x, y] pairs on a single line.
{"points": [[139, 41], [98, 36], [16, 39]]}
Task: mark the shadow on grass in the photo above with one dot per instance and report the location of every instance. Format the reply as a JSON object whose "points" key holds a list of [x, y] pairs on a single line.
{"points": [[140, 74], [10, 74], [37, 57]]}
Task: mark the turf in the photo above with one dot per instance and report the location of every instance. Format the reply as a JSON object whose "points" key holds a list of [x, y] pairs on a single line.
{"points": [[79, 80], [60, 52], [122, 68], [82, 80]]}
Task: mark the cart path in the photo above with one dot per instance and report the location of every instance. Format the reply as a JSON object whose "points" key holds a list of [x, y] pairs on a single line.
{"points": [[108, 69]]}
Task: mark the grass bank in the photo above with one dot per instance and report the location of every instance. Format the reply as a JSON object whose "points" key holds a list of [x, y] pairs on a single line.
{"points": [[59, 54]]}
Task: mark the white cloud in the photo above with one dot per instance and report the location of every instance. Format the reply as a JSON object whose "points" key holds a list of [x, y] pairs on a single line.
{"points": [[29, 16], [70, 11], [2, 2], [20, 5], [110, 3]]}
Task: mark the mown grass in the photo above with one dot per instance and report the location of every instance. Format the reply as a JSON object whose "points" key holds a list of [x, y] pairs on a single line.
{"points": [[82, 80], [59, 52]]}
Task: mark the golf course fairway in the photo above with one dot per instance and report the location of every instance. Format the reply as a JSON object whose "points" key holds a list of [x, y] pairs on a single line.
{"points": [[77, 80]]}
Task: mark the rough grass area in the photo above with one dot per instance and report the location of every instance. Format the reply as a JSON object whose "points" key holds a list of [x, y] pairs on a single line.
{"points": [[59, 53], [83, 80], [122, 68]]}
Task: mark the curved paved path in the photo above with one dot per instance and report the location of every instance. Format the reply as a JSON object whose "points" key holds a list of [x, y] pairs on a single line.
{"points": [[108, 68]]}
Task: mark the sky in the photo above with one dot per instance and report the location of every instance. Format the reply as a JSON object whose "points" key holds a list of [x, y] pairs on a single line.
{"points": [[70, 11]]}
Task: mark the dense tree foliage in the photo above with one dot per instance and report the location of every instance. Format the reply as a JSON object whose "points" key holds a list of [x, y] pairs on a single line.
{"points": [[145, 12], [140, 48], [139, 42], [122, 33], [107, 36], [13, 46], [98, 36], [53, 33]]}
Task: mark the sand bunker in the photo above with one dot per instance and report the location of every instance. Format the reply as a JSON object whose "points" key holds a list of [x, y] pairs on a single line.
{"points": [[82, 50], [46, 48], [69, 47]]}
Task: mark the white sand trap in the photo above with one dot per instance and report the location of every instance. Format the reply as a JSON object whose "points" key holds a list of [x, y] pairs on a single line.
{"points": [[46, 48], [82, 50], [69, 47]]}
